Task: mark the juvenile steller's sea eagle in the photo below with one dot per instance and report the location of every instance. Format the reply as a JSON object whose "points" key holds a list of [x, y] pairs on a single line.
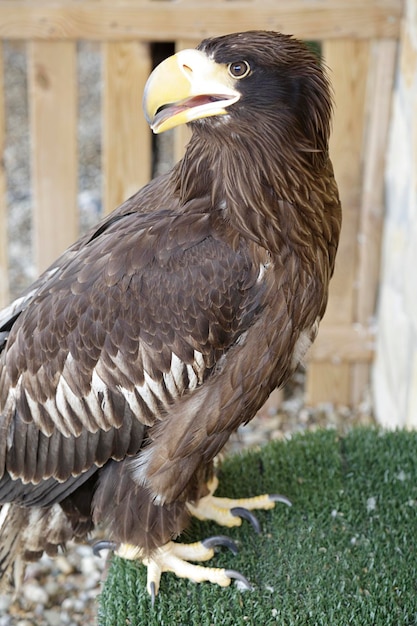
{"points": [[125, 368]]}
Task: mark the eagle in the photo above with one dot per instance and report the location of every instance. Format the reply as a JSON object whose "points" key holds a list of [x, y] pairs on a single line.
{"points": [[127, 365]]}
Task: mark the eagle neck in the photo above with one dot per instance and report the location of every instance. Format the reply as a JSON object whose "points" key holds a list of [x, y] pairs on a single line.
{"points": [[253, 181]]}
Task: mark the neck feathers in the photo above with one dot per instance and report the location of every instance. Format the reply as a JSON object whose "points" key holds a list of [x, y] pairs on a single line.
{"points": [[253, 179]]}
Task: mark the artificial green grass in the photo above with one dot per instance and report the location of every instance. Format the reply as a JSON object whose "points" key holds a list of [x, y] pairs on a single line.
{"points": [[345, 553]]}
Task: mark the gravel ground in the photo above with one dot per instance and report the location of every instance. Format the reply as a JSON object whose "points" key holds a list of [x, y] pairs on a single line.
{"points": [[63, 591]]}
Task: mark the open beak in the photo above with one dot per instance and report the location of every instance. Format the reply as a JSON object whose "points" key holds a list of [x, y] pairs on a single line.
{"points": [[185, 87]]}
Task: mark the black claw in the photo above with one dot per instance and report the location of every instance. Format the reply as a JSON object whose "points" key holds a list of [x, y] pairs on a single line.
{"points": [[240, 511], [153, 593], [231, 573], [276, 497], [220, 540], [103, 545]]}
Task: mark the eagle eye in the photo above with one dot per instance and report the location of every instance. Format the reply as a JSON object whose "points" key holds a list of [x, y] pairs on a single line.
{"points": [[239, 69]]}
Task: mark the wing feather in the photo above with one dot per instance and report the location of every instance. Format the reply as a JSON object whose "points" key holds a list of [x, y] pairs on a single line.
{"points": [[133, 318]]}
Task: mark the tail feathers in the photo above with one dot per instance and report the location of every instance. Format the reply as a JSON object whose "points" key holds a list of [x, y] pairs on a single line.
{"points": [[12, 523], [25, 534]]}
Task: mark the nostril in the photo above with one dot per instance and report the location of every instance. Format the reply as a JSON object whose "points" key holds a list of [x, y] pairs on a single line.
{"points": [[187, 68]]}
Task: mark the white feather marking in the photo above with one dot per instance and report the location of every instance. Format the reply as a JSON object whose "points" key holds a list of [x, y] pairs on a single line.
{"points": [[42, 527], [98, 401], [146, 392], [157, 391], [51, 406], [139, 466], [96, 417], [177, 371], [65, 396], [170, 384], [196, 370], [192, 377], [150, 392], [173, 379], [60, 418], [199, 361], [304, 342], [10, 403], [242, 338], [98, 386], [4, 513], [261, 273], [35, 517], [55, 517], [262, 270], [131, 399], [33, 407]]}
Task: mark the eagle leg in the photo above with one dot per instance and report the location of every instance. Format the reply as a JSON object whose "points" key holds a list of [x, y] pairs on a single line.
{"points": [[229, 512], [175, 557]]}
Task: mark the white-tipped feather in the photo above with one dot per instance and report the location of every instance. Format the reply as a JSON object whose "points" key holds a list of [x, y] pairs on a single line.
{"points": [[3, 514]]}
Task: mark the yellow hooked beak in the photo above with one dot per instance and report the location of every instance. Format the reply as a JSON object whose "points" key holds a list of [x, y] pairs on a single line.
{"points": [[185, 87]]}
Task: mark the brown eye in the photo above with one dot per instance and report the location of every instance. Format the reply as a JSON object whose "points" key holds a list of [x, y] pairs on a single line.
{"points": [[239, 69]]}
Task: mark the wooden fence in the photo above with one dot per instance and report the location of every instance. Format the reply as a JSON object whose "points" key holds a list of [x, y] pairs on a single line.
{"points": [[359, 41]]}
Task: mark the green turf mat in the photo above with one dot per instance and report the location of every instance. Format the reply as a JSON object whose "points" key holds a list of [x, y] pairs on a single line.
{"points": [[345, 553]]}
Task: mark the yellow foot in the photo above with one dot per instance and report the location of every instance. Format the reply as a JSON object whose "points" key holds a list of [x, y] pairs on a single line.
{"points": [[174, 557], [228, 512]]}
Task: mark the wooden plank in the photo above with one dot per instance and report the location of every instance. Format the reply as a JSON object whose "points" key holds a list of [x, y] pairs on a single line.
{"points": [[126, 135], [380, 85], [169, 21], [344, 344], [53, 124], [4, 282], [349, 80], [328, 384], [348, 61], [359, 382]]}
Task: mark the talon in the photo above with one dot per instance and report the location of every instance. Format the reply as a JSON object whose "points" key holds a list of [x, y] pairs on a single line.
{"points": [[231, 573], [153, 593], [104, 545], [230, 512], [220, 540], [175, 557], [276, 497], [181, 558], [240, 511]]}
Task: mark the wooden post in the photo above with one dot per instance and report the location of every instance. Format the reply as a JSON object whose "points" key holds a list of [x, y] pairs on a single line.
{"points": [[53, 125], [4, 282], [162, 20], [379, 93], [126, 136]]}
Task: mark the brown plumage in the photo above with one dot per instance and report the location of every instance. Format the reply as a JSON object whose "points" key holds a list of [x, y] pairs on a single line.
{"points": [[125, 368]]}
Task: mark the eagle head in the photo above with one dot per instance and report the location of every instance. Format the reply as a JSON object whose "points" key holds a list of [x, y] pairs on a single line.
{"points": [[263, 79]]}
